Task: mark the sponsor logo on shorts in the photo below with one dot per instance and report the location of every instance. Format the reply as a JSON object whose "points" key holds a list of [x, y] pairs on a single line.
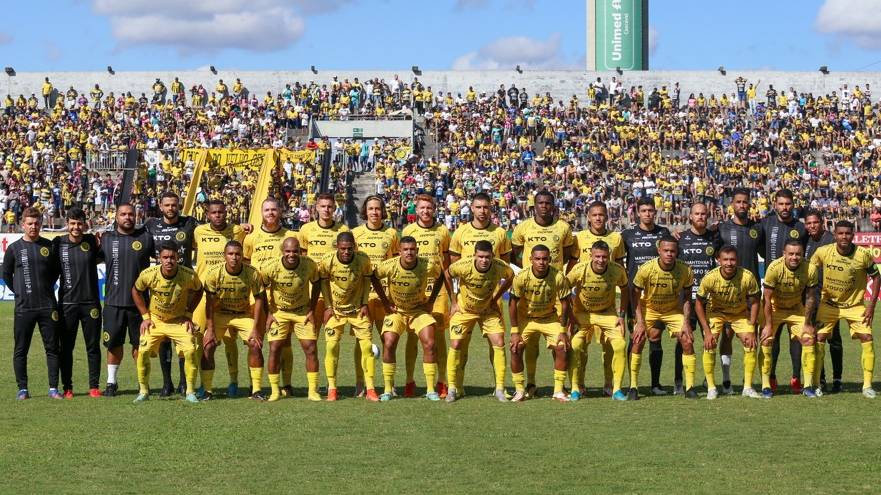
{"points": [[137, 245], [330, 332], [274, 330], [44, 251], [94, 313], [143, 342], [388, 323], [181, 235], [457, 329]]}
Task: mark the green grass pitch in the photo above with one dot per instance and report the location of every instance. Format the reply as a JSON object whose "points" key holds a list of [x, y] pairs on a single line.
{"points": [[657, 445]]}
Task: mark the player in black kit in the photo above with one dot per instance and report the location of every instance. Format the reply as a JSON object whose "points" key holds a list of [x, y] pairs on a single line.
{"points": [[748, 238], [30, 269], [698, 247], [79, 256], [817, 236], [641, 245], [778, 228], [126, 252], [172, 227]]}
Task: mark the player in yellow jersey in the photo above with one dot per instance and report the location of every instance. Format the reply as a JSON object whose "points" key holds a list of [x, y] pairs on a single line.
{"points": [[728, 295], [409, 310], [597, 217], [379, 242], [788, 280], [662, 289], [556, 235], [482, 281], [433, 241], [539, 306], [229, 289], [292, 311], [174, 292], [262, 246], [209, 241], [594, 283], [846, 269], [346, 275]]}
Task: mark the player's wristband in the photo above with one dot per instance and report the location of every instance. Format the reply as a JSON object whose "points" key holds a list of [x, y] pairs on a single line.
{"points": [[145, 316], [515, 329]]}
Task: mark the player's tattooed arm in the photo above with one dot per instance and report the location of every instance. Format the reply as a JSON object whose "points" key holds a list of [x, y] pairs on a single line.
{"points": [[812, 300]]}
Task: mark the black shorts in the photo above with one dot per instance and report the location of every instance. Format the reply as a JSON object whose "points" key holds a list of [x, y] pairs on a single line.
{"points": [[120, 321]]}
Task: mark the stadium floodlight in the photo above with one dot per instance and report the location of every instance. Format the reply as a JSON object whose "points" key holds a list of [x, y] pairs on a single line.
{"points": [[722, 70], [824, 69], [10, 71], [110, 70], [619, 71], [213, 70], [314, 70], [518, 69], [417, 70]]}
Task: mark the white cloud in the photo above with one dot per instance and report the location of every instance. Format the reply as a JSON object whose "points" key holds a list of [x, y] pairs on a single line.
{"points": [[511, 51], [858, 20], [211, 25], [6, 38], [653, 40]]}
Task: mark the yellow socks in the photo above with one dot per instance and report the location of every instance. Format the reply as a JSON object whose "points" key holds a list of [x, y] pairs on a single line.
{"points": [[144, 371], [820, 356], [312, 380], [273, 384], [440, 353], [430, 370], [388, 376], [499, 365], [635, 363], [808, 357], [576, 358], [453, 356], [287, 364], [230, 348], [191, 370], [617, 357], [749, 367], [868, 360], [411, 350], [709, 361], [331, 357], [519, 381], [367, 364], [559, 380], [256, 379], [766, 365], [689, 365], [208, 380]]}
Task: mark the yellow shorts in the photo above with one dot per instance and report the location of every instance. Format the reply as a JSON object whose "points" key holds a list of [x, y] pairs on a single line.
{"points": [[236, 324], [739, 324], [442, 303], [531, 329], [794, 321], [412, 322], [672, 320], [461, 324], [828, 316], [290, 322], [359, 326], [175, 332], [375, 311], [600, 326]]}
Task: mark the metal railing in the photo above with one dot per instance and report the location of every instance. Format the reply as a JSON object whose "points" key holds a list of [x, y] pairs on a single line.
{"points": [[106, 160]]}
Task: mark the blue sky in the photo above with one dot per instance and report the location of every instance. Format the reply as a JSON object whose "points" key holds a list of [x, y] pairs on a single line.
{"points": [[74, 35]]}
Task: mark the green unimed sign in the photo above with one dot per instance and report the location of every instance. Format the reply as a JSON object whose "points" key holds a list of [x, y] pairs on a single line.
{"points": [[357, 132], [617, 34]]}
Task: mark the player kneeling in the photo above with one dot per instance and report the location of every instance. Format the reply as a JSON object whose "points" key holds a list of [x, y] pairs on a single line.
{"points": [[174, 292], [534, 312], [229, 288], [482, 281], [728, 295], [593, 308]]}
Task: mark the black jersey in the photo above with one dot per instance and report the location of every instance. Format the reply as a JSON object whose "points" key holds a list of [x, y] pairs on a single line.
{"points": [[180, 232], [125, 255], [825, 238], [30, 270], [699, 252], [79, 269], [749, 240], [641, 246], [777, 233]]}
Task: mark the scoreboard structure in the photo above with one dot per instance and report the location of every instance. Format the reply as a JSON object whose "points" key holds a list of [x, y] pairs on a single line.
{"points": [[617, 35]]}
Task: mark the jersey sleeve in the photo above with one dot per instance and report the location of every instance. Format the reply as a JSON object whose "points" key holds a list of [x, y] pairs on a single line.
{"points": [[752, 286], [772, 275], [457, 269], [382, 270], [367, 267], [257, 286], [508, 273], [445, 242], [248, 247], [456, 243], [505, 244], [618, 251], [813, 276], [703, 291], [517, 287], [143, 281], [568, 238], [210, 282], [573, 275], [195, 283], [394, 244], [871, 268], [302, 237], [518, 238], [314, 272], [641, 277], [563, 288], [622, 278], [817, 258], [688, 277]]}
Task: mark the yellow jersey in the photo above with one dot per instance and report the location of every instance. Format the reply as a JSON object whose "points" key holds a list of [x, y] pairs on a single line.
{"points": [[262, 246], [379, 245], [584, 241], [466, 236], [407, 286], [595, 292], [168, 296], [788, 285], [557, 237], [537, 296], [433, 242], [727, 296], [232, 292], [209, 244], [345, 284], [476, 288], [318, 241], [844, 277], [288, 290], [661, 288]]}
